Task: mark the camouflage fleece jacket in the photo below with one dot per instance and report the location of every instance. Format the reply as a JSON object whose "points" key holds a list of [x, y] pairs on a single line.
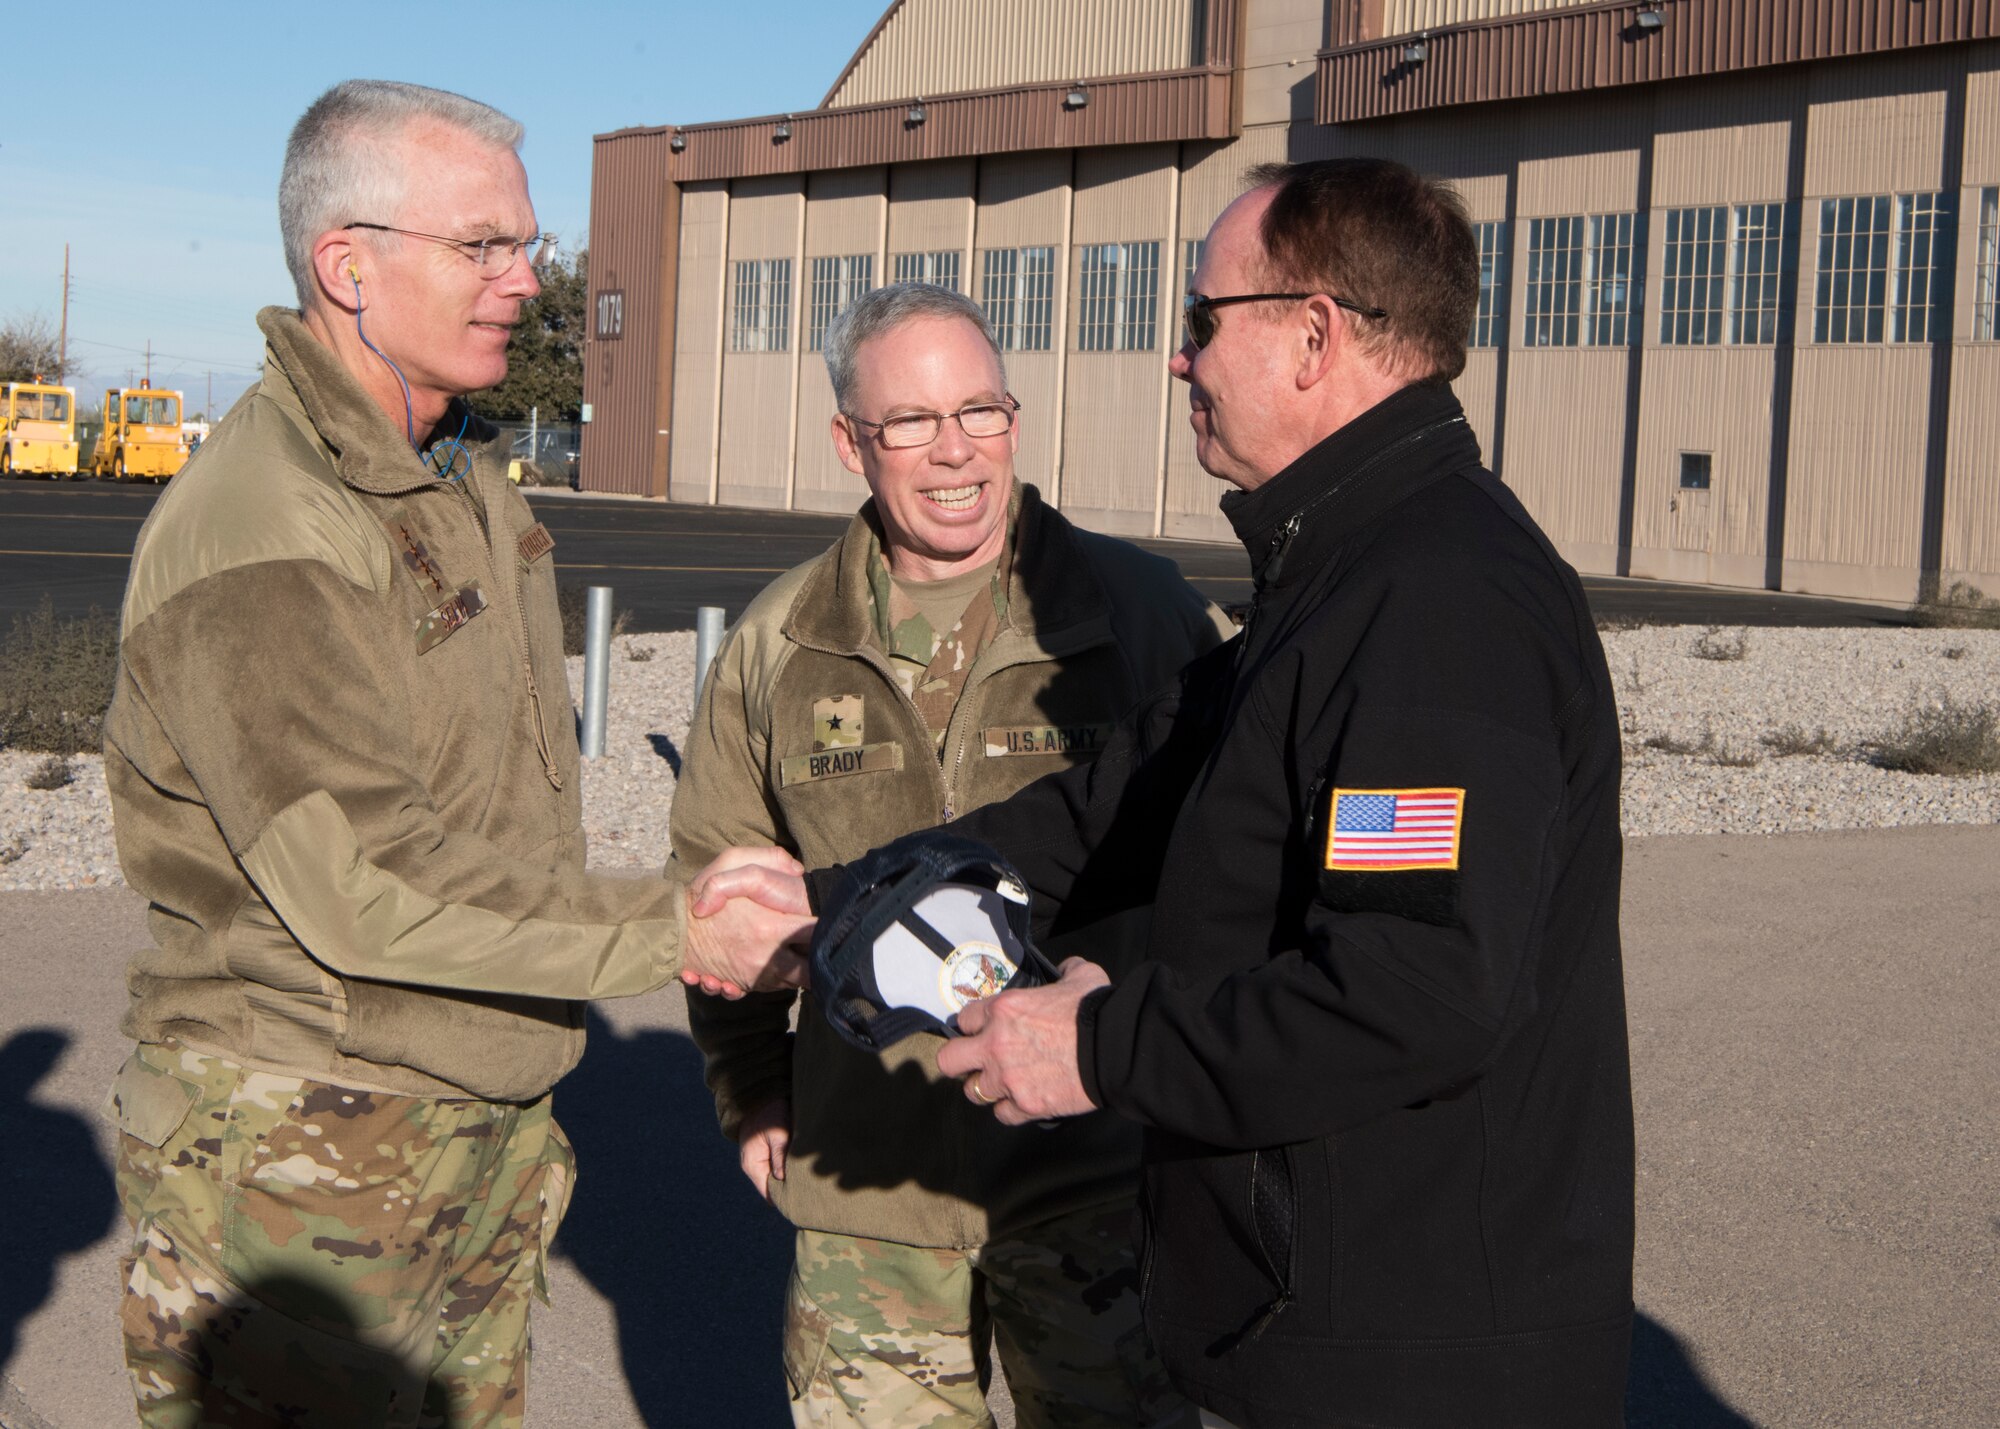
{"points": [[343, 765], [804, 738]]}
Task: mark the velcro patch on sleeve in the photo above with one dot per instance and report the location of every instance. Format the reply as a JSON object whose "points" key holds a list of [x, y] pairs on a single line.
{"points": [[536, 542], [1004, 740], [1393, 830], [434, 627], [838, 763]]}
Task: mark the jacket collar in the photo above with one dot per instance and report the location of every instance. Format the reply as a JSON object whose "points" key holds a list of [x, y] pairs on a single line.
{"points": [[1394, 449], [1050, 586], [369, 450]]}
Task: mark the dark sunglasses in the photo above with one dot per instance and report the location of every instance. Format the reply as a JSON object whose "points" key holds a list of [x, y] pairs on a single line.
{"points": [[1198, 310]]}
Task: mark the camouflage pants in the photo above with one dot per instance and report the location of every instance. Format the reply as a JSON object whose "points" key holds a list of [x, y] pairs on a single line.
{"points": [[306, 1254], [897, 1337]]}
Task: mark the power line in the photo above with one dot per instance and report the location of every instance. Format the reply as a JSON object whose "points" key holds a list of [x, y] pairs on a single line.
{"points": [[205, 362]]}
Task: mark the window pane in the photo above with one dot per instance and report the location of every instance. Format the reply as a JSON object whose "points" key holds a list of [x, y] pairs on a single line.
{"points": [[1691, 293], [1488, 322], [1922, 234], [1986, 303]]}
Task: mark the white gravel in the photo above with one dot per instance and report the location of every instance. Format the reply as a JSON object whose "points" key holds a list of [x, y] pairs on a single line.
{"points": [[1855, 685]]}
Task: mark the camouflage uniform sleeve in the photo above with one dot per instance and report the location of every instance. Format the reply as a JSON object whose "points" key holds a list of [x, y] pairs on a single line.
{"points": [[724, 799]]}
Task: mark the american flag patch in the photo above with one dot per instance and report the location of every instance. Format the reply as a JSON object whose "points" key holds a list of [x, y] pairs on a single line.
{"points": [[1384, 830]]}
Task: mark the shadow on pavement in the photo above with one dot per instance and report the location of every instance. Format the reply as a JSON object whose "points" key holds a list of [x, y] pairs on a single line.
{"points": [[59, 1196], [1665, 1388], [666, 1228]]}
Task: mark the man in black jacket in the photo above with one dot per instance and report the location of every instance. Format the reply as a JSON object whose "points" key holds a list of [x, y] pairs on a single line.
{"points": [[1379, 1048]]}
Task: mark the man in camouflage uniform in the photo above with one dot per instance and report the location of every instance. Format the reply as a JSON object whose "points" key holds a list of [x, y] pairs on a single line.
{"points": [[959, 642], [344, 773]]}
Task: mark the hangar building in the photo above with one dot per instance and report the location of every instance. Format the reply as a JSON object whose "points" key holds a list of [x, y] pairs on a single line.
{"points": [[1740, 278]]}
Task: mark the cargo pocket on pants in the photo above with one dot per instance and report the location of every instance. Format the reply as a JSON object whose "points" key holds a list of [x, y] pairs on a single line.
{"points": [[558, 1184], [807, 1330], [193, 1339]]}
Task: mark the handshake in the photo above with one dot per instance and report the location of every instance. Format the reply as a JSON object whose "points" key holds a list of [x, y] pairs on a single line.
{"points": [[748, 924]]}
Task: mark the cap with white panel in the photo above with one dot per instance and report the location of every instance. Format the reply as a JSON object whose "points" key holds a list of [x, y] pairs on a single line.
{"points": [[915, 931]]}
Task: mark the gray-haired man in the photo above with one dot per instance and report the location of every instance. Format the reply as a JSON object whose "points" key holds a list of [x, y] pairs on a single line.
{"points": [[959, 642], [344, 772]]}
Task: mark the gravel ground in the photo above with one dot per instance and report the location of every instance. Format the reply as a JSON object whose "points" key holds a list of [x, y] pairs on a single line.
{"points": [[1850, 686]]}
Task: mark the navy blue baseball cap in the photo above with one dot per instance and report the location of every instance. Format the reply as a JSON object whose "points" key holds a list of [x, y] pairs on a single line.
{"points": [[913, 931]]}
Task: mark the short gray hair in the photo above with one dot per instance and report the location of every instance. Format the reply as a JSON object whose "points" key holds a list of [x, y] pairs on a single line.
{"points": [[882, 310], [335, 169]]}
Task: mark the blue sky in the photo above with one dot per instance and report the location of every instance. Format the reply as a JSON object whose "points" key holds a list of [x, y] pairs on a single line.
{"points": [[158, 163]]}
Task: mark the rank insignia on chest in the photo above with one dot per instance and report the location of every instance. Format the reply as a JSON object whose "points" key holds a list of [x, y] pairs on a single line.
{"points": [[1394, 830], [436, 625], [837, 722], [536, 542]]}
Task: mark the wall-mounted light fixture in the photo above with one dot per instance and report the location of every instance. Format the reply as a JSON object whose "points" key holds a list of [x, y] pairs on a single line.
{"points": [[783, 132], [1417, 50], [1077, 97], [916, 114], [1652, 17], [678, 143]]}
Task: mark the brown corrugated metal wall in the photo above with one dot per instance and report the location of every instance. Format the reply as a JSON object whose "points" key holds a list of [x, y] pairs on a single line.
{"points": [[629, 367]]}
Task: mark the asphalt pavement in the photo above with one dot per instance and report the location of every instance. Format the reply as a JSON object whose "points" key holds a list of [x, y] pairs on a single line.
{"points": [[1814, 1072], [72, 541]]}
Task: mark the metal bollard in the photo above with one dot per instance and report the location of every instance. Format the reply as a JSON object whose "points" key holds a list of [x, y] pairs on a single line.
{"points": [[708, 626], [596, 668]]}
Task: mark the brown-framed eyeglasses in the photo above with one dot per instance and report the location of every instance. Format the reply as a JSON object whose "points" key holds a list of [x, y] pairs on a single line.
{"points": [[920, 429]]}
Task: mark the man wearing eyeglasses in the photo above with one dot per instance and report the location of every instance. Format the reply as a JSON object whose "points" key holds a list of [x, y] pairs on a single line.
{"points": [[343, 770], [1378, 1040], [961, 641]]}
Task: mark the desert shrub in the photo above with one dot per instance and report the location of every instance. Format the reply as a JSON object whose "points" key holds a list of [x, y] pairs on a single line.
{"points": [[56, 678], [1963, 607], [1717, 643], [573, 602], [1612, 624], [1793, 740], [1675, 744], [55, 772], [1948, 738]]}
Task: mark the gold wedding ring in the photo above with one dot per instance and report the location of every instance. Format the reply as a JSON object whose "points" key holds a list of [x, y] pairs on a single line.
{"points": [[980, 1092]]}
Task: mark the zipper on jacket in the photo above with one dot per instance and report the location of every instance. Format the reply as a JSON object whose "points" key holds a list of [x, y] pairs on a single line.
{"points": [[544, 748], [1274, 565]]}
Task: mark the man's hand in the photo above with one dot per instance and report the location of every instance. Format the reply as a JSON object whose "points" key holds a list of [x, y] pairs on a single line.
{"points": [[761, 1144], [1018, 1054], [747, 910]]}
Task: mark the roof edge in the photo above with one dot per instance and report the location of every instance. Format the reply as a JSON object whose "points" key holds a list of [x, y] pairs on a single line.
{"points": [[855, 59]]}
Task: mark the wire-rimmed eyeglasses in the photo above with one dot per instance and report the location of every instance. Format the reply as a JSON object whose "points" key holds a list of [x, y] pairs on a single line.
{"points": [[494, 255], [1198, 310], [920, 429]]}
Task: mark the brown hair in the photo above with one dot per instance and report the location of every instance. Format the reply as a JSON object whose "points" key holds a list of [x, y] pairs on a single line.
{"points": [[1383, 236]]}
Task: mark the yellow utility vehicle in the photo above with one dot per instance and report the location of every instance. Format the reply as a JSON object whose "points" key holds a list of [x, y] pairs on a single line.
{"points": [[141, 436], [37, 429]]}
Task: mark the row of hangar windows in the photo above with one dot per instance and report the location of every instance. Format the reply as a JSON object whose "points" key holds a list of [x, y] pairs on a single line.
{"points": [[1728, 278], [1729, 274]]}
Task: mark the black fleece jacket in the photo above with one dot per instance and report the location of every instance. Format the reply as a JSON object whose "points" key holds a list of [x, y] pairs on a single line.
{"points": [[1389, 1170]]}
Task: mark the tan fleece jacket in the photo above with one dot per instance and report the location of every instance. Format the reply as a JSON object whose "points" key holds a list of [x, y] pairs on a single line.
{"points": [[885, 1146], [343, 765]]}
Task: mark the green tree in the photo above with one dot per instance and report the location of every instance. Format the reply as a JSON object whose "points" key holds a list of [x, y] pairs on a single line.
{"points": [[28, 349], [545, 354]]}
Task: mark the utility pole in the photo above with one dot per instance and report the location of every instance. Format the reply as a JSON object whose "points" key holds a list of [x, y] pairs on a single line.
{"points": [[208, 407], [62, 351], [149, 362]]}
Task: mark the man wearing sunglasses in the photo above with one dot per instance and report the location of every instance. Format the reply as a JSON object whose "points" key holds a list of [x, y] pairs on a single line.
{"points": [[344, 772], [961, 641], [1378, 1042]]}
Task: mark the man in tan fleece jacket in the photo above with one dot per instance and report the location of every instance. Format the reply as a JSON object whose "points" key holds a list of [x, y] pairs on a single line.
{"points": [[343, 769], [961, 641]]}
